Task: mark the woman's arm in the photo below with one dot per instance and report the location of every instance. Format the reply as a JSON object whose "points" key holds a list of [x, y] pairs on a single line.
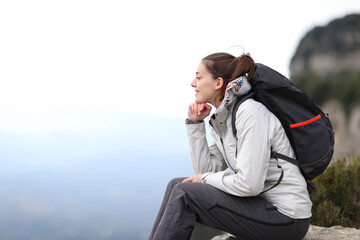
{"points": [[204, 158], [253, 155]]}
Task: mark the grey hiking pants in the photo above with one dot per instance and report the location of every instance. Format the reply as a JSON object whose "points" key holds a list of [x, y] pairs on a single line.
{"points": [[246, 218]]}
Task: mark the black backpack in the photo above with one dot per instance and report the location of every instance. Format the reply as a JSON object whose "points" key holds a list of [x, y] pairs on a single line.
{"points": [[309, 130]]}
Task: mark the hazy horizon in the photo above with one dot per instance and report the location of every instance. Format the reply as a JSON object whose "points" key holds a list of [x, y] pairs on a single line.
{"points": [[89, 185]]}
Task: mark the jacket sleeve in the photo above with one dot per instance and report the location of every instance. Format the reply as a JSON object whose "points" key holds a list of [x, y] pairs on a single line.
{"points": [[253, 155], [204, 158]]}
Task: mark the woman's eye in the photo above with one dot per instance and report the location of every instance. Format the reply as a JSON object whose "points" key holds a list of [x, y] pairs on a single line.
{"points": [[198, 78]]}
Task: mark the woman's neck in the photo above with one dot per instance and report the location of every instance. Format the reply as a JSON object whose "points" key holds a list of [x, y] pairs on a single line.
{"points": [[217, 101], [216, 104]]}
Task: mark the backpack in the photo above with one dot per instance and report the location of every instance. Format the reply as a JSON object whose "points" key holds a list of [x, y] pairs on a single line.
{"points": [[308, 129]]}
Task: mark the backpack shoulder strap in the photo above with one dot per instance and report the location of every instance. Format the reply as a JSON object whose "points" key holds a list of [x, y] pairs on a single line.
{"points": [[283, 157], [281, 175], [238, 102]]}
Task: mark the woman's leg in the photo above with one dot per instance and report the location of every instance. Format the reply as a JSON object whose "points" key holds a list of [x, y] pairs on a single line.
{"points": [[169, 188], [247, 218]]}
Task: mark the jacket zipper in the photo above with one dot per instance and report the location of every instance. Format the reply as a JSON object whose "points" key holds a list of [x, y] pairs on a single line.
{"points": [[225, 157], [222, 144]]}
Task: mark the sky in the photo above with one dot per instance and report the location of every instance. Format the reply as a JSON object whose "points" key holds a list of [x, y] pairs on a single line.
{"points": [[137, 56]]}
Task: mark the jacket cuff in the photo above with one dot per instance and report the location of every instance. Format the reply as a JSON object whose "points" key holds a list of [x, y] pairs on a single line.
{"points": [[188, 121], [192, 128], [203, 180]]}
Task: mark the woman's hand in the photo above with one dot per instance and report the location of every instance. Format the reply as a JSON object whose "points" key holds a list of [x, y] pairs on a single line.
{"points": [[198, 111], [196, 178]]}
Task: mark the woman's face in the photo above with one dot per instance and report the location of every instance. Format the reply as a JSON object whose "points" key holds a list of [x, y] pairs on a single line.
{"points": [[205, 85]]}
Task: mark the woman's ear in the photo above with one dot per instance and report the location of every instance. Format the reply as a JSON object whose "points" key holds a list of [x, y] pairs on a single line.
{"points": [[219, 83]]}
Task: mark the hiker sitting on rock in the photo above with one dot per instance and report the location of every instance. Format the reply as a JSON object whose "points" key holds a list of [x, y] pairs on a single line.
{"points": [[238, 187]]}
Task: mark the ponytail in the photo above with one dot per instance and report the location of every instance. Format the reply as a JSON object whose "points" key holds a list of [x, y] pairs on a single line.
{"points": [[243, 65], [228, 67]]}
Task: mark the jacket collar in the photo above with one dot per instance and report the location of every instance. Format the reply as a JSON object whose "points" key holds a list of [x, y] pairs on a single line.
{"points": [[236, 88]]}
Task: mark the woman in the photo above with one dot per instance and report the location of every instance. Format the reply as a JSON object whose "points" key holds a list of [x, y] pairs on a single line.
{"points": [[237, 200]]}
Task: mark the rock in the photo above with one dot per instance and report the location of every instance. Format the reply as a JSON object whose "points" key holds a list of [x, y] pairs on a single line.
{"points": [[226, 236], [317, 233], [332, 233], [329, 49]]}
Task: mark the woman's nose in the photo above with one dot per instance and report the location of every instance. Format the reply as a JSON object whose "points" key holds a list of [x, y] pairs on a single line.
{"points": [[193, 83]]}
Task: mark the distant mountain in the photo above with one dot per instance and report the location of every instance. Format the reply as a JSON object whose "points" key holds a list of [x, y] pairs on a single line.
{"points": [[326, 65], [329, 49]]}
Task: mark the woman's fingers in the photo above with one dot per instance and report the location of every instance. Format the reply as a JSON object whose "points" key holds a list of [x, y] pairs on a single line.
{"points": [[208, 107], [196, 178], [189, 179], [194, 108], [198, 111], [200, 108]]}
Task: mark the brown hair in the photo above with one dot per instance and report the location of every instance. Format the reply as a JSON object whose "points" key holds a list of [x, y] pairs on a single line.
{"points": [[228, 67]]}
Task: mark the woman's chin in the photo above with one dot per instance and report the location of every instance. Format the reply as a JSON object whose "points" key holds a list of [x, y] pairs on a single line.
{"points": [[200, 100]]}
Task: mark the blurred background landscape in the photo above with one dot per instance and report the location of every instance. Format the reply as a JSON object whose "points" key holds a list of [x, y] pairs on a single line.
{"points": [[326, 65], [91, 132], [103, 184]]}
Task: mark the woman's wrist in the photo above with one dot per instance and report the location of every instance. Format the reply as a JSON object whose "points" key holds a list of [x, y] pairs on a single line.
{"points": [[189, 121]]}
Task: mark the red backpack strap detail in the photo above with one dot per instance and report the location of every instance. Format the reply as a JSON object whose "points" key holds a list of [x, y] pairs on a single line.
{"points": [[305, 122]]}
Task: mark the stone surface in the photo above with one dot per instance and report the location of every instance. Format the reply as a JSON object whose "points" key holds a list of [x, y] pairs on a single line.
{"points": [[317, 233], [332, 233], [226, 236]]}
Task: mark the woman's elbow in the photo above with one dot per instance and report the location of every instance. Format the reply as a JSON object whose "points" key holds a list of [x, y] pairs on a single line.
{"points": [[249, 188]]}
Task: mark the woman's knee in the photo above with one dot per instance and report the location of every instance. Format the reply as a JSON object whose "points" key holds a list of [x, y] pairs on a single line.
{"points": [[175, 181], [192, 189]]}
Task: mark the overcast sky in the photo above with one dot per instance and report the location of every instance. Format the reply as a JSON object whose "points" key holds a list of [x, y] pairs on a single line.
{"points": [[138, 56]]}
